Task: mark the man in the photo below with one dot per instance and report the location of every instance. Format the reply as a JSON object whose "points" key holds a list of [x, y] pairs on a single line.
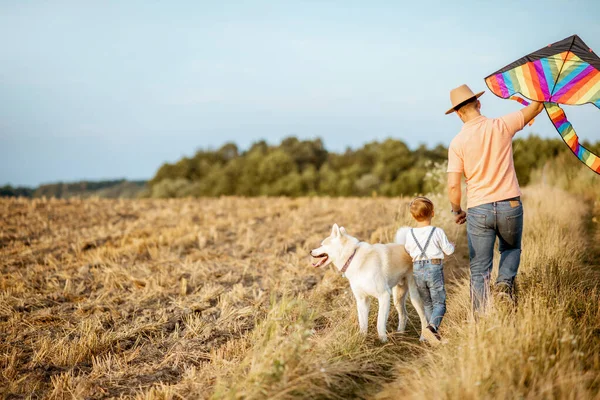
{"points": [[482, 151]]}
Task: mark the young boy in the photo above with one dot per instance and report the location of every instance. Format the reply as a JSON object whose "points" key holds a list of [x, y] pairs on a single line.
{"points": [[427, 244]]}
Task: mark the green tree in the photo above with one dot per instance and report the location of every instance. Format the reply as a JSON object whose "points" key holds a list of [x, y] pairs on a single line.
{"points": [[299, 168], [275, 165]]}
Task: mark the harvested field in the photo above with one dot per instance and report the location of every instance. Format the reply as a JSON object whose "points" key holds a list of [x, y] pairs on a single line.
{"points": [[114, 297], [192, 298]]}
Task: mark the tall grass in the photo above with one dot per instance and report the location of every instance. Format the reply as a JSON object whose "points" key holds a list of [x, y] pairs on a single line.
{"points": [[549, 347], [568, 173]]}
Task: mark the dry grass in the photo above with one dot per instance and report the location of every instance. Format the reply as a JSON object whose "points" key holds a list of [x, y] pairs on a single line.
{"points": [[145, 298], [216, 298], [550, 346]]}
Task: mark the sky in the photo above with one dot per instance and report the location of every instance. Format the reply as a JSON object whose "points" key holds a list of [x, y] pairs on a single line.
{"points": [[113, 89]]}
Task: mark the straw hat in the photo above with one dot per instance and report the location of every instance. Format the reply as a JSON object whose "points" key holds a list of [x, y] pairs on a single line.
{"points": [[461, 95]]}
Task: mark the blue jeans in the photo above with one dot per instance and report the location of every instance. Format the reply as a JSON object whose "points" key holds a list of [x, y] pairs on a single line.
{"points": [[502, 219], [430, 284]]}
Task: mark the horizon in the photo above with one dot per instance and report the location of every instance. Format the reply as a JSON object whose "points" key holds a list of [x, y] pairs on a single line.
{"points": [[100, 91], [242, 150]]}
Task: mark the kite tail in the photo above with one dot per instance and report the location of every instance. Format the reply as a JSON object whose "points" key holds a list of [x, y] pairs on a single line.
{"points": [[519, 99], [564, 127], [524, 102]]}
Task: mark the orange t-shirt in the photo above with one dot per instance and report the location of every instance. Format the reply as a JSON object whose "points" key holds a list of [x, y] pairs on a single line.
{"points": [[482, 150]]}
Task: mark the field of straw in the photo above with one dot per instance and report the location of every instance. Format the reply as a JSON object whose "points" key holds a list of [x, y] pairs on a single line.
{"points": [[216, 298]]}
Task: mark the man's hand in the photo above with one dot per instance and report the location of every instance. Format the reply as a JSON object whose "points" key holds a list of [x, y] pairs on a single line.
{"points": [[461, 217], [531, 111]]}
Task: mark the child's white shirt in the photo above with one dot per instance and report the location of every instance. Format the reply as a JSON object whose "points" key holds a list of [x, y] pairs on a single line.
{"points": [[438, 245]]}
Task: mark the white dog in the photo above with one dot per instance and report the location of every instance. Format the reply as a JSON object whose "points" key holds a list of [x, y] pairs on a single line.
{"points": [[377, 270]]}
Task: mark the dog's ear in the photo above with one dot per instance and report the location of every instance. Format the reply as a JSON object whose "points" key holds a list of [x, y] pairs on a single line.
{"points": [[343, 231], [335, 230]]}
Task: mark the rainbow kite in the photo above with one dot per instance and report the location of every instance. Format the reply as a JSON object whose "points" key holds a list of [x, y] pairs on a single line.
{"points": [[565, 72]]}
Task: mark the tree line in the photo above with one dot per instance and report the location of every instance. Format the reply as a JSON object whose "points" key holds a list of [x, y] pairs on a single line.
{"points": [[305, 168], [118, 188], [302, 168]]}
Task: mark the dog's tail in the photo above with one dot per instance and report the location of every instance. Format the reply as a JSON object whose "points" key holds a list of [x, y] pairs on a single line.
{"points": [[401, 235]]}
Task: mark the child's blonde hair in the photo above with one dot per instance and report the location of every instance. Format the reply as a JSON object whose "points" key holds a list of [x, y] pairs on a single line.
{"points": [[421, 208]]}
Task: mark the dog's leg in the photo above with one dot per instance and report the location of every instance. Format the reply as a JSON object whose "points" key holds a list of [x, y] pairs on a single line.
{"points": [[416, 301], [400, 292], [363, 304], [382, 316]]}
